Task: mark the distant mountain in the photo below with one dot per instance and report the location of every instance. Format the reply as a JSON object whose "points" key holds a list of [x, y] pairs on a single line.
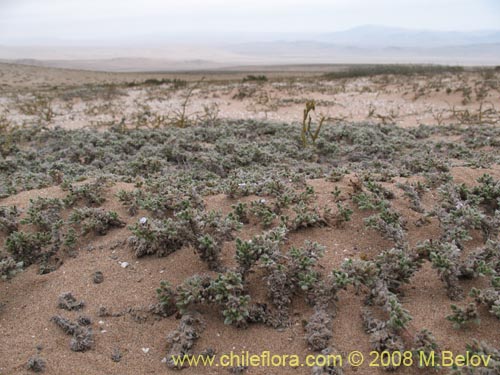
{"points": [[379, 36], [364, 44], [318, 52]]}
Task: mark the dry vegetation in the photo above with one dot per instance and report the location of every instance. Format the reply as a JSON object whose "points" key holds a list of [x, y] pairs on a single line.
{"points": [[147, 217]]}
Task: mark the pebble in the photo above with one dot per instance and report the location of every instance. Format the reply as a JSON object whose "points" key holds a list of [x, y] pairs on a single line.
{"points": [[124, 264], [145, 350], [98, 277]]}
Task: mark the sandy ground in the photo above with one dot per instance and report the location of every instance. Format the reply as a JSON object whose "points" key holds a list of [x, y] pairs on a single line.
{"points": [[31, 299], [81, 98]]}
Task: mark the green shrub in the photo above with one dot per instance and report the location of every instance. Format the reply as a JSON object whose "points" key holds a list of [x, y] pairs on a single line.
{"points": [[27, 247]]}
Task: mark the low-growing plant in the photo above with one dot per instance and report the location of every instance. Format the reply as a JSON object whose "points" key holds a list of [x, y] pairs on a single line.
{"points": [[263, 212], [181, 341], [485, 351], [305, 217], [9, 268], [95, 220], [489, 297], [43, 212], [390, 224], [343, 215], [91, 194], [160, 237], [27, 247], [444, 258], [8, 219], [461, 317], [82, 336], [240, 212], [250, 252], [225, 290]]}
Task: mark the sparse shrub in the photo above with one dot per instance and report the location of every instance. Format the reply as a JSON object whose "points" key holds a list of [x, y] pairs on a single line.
{"points": [[226, 291], [424, 342], [382, 337], [249, 252], [485, 351], [460, 317], [90, 194], [166, 299], [130, 200], [9, 268], [263, 211], [397, 266], [181, 341], [458, 214], [8, 219], [96, 220], [390, 224], [319, 330], [82, 336], [361, 272], [414, 193], [68, 302], [43, 212], [240, 212], [27, 247], [399, 69], [155, 237], [288, 274], [343, 215], [444, 258], [210, 230], [36, 364], [306, 217], [489, 297], [70, 240]]}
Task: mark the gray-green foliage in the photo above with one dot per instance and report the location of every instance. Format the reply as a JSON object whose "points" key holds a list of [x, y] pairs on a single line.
{"points": [[95, 220]]}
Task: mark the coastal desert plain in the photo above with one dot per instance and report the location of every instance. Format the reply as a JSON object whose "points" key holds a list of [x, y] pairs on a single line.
{"points": [[361, 239]]}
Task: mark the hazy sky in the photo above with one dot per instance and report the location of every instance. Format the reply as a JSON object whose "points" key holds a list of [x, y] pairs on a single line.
{"points": [[32, 20]]}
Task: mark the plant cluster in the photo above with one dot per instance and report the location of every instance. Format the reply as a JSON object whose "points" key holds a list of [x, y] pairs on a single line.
{"points": [[180, 341], [82, 335], [44, 213], [66, 301], [8, 219], [95, 220], [205, 231], [461, 317], [91, 194], [27, 248], [226, 291]]}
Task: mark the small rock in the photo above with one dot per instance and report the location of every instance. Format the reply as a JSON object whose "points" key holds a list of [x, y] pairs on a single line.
{"points": [[145, 350], [124, 264], [98, 277], [116, 356]]}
